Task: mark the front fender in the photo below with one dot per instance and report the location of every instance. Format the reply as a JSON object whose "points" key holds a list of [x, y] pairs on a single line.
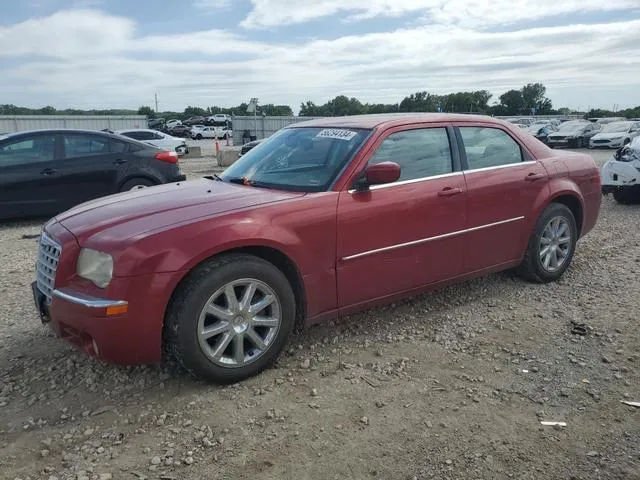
{"points": [[619, 174]]}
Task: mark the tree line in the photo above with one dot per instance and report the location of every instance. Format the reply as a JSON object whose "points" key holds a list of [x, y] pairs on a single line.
{"points": [[529, 99]]}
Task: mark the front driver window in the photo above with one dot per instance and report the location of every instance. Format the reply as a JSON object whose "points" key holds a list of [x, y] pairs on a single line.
{"points": [[420, 153], [35, 149]]}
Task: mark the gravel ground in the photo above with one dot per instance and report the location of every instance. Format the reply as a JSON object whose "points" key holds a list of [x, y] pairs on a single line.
{"points": [[449, 385]]}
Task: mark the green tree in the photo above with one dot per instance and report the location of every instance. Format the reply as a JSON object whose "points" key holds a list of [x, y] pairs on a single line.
{"points": [[513, 102], [146, 111]]}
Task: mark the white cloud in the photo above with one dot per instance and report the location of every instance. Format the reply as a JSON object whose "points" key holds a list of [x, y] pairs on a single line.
{"points": [[91, 59], [274, 13]]}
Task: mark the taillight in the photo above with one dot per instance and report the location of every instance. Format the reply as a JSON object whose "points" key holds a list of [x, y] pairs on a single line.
{"points": [[169, 157]]}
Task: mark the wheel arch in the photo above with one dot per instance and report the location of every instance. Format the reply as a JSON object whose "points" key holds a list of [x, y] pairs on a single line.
{"points": [[573, 203], [150, 178], [270, 254]]}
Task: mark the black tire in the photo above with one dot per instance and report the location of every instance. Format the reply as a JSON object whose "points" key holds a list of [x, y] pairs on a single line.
{"points": [[532, 268], [136, 182], [626, 141], [627, 196], [181, 322], [198, 137]]}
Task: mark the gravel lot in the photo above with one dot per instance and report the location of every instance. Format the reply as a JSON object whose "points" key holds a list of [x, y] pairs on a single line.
{"points": [[449, 385]]}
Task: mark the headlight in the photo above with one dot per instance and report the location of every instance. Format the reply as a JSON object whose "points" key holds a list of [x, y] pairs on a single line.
{"points": [[95, 266]]}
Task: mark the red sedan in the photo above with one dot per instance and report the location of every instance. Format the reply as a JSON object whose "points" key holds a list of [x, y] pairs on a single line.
{"points": [[324, 218]]}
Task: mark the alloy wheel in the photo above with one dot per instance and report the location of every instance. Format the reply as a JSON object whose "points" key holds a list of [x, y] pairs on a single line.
{"points": [[555, 244], [239, 322]]}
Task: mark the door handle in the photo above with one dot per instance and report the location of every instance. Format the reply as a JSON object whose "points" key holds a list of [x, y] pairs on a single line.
{"points": [[532, 177], [119, 161], [48, 171], [449, 192]]}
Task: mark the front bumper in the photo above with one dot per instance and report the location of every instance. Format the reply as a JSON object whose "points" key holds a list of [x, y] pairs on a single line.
{"points": [[606, 143], [615, 174], [555, 142], [130, 335]]}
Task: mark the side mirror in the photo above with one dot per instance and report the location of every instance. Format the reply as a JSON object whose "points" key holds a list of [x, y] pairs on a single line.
{"points": [[378, 174]]}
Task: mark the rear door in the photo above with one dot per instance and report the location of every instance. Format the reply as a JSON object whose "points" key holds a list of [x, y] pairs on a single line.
{"points": [[28, 169], [503, 182], [89, 169], [403, 235]]}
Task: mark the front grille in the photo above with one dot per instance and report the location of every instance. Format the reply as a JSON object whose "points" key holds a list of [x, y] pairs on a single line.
{"points": [[556, 139], [601, 141], [48, 256]]}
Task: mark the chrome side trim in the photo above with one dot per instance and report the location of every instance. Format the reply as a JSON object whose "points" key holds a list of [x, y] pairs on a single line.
{"points": [[499, 167], [429, 239], [86, 300], [413, 180]]}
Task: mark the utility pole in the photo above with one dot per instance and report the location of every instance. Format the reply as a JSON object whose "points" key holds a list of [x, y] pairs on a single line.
{"points": [[156, 95]]}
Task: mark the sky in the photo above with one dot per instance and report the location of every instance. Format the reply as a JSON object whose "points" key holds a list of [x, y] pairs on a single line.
{"points": [[119, 53]]}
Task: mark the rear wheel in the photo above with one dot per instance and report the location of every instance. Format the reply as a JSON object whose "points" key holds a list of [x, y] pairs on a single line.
{"points": [[198, 137], [230, 318], [551, 246], [136, 184]]}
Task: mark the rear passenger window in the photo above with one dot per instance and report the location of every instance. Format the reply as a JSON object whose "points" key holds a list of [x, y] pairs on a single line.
{"points": [[118, 146], [420, 153], [81, 145], [489, 147]]}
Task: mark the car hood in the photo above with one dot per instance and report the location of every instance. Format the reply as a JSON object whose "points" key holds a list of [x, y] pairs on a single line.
{"points": [[131, 214], [608, 135]]}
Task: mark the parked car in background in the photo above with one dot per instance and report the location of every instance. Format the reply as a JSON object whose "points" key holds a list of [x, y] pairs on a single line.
{"points": [[615, 134], [574, 134], [195, 128], [156, 123], [45, 172], [325, 218], [194, 121], [219, 118], [620, 174], [605, 120], [157, 139], [179, 131], [211, 132], [172, 123], [521, 121], [541, 131], [250, 146]]}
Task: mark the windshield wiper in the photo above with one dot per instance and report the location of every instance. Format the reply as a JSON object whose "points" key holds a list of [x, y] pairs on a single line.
{"points": [[250, 183]]}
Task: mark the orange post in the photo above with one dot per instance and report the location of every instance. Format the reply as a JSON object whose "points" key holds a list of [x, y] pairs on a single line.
{"points": [[217, 147]]}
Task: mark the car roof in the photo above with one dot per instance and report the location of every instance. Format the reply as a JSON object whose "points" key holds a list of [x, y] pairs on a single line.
{"points": [[392, 119], [135, 130]]}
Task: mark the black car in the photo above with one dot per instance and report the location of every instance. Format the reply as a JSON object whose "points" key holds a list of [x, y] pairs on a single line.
{"points": [[179, 131], [45, 172], [195, 121], [249, 145]]}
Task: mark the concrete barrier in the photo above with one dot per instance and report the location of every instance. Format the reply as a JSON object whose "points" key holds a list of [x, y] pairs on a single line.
{"points": [[228, 156], [194, 152]]}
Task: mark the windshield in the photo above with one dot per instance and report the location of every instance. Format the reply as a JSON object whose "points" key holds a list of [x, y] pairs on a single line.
{"points": [[572, 126], [299, 159], [616, 127]]}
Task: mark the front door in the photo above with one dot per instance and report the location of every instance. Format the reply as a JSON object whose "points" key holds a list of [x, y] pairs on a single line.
{"points": [[400, 236], [503, 183]]}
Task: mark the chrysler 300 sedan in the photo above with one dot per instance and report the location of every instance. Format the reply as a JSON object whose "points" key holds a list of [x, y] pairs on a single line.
{"points": [[327, 217]]}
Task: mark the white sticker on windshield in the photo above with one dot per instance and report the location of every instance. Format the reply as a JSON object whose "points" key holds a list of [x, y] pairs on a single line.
{"points": [[337, 133]]}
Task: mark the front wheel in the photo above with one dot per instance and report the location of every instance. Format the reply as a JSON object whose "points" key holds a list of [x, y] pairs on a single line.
{"points": [[198, 137], [230, 318], [551, 246], [627, 195]]}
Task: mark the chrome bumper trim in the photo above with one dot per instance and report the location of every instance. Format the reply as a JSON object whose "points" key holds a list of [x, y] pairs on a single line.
{"points": [[86, 300]]}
